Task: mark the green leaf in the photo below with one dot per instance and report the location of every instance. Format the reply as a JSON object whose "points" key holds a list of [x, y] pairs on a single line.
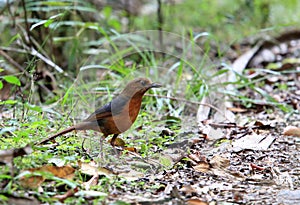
{"points": [[3, 198], [33, 107], [8, 102], [1, 85], [12, 80], [13, 39], [107, 11], [48, 22], [65, 181]]}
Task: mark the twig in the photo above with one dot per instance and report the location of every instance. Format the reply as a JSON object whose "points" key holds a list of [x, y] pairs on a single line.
{"points": [[26, 22], [12, 133], [11, 61], [34, 52], [18, 50], [46, 60], [17, 65]]}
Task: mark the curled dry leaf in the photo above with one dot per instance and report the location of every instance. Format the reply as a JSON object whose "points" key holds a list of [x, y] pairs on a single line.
{"points": [[66, 172], [292, 131], [92, 182], [217, 162], [66, 195]]}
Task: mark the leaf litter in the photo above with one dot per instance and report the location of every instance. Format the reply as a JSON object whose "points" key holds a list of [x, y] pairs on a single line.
{"points": [[250, 157]]}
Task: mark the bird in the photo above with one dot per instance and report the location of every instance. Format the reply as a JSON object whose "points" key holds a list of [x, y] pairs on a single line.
{"points": [[116, 116]]}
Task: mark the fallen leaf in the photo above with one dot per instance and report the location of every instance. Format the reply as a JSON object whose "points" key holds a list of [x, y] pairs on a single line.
{"points": [[213, 133], [188, 189], [92, 182], [219, 162], [237, 109], [203, 111], [34, 181], [66, 195], [202, 167], [253, 142], [66, 172], [197, 157], [93, 169], [292, 131], [31, 182], [132, 175], [196, 202]]}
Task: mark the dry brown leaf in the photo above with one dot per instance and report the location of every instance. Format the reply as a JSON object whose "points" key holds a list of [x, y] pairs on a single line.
{"points": [[66, 172], [93, 169], [219, 162], [92, 182], [237, 109], [292, 131], [202, 167], [31, 182], [66, 195], [196, 202], [188, 189], [197, 157]]}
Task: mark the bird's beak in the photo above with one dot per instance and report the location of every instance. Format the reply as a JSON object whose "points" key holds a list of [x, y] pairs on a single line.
{"points": [[155, 85]]}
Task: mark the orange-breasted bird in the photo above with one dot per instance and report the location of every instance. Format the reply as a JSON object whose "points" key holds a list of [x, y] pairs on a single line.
{"points": [[116, 116]]}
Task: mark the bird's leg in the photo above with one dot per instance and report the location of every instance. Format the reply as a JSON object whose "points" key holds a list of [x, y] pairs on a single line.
{"points": [[84, 151], [113, 143], [113, 140], [101, 154]]}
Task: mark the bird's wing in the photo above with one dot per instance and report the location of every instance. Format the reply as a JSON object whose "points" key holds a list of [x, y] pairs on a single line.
{"points": [[112, 108]]}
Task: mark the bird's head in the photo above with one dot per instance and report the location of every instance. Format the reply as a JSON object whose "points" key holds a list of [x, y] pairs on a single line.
{"points": [[139, 86]]}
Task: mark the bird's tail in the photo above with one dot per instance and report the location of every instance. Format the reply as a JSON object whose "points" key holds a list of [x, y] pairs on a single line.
{"points": [[56, 135]]}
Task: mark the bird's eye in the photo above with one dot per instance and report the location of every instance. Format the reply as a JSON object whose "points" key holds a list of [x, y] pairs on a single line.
{"points": [[143, 83]]}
